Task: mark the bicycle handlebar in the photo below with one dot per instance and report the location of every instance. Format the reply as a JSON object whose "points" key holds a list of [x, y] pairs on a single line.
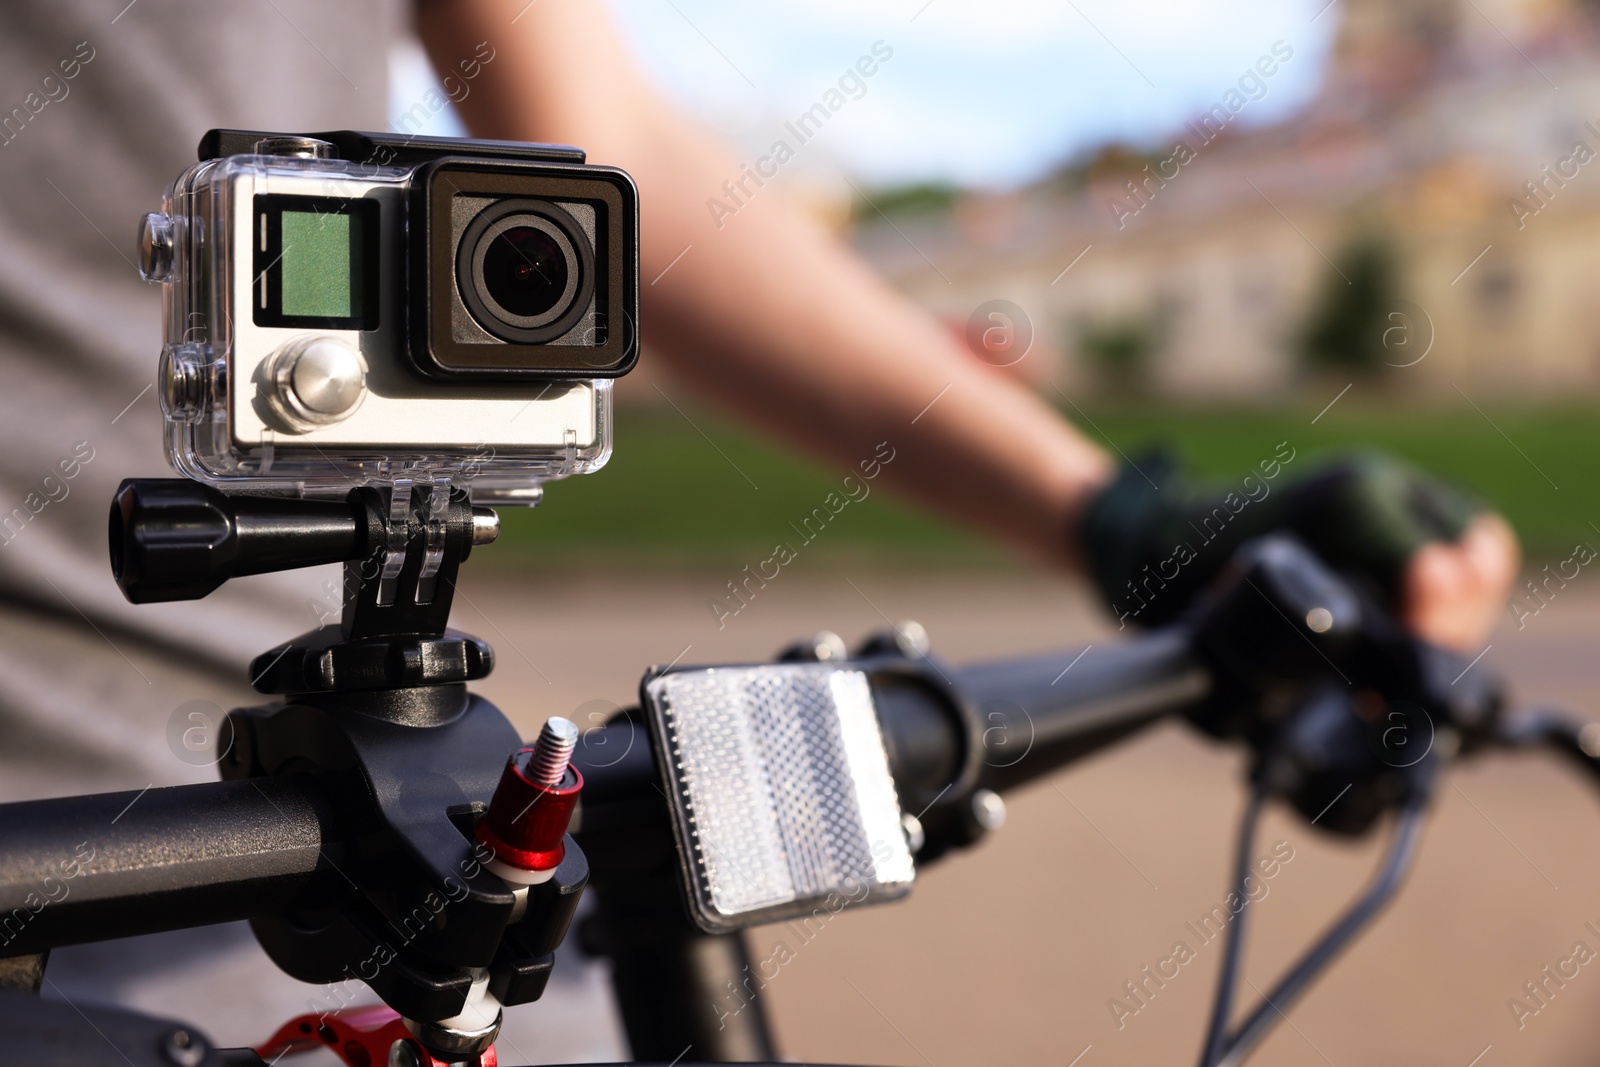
{"points": [[1075, 704], [92, 868], [194, 855]]}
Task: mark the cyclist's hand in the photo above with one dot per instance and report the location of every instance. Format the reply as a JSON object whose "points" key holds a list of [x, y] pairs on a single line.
{"points": [[1451, 592], [1154, 538]]}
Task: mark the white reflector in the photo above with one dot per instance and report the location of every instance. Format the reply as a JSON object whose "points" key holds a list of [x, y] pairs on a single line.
{"points": [[780, 789]]}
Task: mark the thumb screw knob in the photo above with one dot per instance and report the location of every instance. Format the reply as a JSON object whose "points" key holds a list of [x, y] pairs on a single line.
{"points": [[526, 823]]}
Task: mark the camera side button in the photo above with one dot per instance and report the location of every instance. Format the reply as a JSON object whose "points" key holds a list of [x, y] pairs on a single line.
{"points": [[182, 375], [155, 247], [315, 381]]}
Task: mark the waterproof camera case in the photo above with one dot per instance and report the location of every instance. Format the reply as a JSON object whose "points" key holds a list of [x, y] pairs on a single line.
{"points": [[782, 803], [350, 309]]}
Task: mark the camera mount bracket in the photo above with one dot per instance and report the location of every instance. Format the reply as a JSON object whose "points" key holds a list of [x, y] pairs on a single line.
{"points": [[401, 546], [397, 596], [377, 713]]}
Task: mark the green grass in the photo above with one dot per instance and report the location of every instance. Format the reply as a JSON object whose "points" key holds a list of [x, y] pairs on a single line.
{"points": [[1538, 466], [670, 496]]}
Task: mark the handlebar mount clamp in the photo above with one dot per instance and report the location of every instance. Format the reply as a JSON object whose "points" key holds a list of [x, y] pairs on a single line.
{"points": [[376, 710]]}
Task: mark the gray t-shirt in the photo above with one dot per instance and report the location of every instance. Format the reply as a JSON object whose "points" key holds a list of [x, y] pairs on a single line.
{"points": [[101, 106], [88, 702]]}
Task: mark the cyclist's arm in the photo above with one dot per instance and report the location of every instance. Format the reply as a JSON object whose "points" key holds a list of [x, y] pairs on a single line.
{"points": [[773, 318]]}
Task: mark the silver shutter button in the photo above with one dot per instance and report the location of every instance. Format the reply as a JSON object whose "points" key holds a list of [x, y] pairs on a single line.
{"points": [[315, 381], [289, 144]]}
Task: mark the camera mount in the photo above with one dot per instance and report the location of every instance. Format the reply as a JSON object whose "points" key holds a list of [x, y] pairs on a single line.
{"points": [[376, 717]]}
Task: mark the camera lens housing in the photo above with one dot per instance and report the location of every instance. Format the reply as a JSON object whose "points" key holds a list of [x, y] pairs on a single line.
{"points": [[523, 272]]}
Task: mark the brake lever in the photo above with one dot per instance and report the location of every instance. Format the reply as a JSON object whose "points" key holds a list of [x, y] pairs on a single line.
{"points": [[1338, 701]]}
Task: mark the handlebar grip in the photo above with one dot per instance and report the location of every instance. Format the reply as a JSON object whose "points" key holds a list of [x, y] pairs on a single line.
{"points": [[176, 539]]}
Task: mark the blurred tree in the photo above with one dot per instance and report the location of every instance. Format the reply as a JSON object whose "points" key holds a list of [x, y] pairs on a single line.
{"points": [[1121, 350], [1345, 326], [915, 199]]}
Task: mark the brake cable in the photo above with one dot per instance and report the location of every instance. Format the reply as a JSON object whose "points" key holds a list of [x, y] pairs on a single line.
{"points": [[1222, 1049]]}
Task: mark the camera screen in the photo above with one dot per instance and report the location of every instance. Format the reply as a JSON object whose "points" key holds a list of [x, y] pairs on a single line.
{"points": [[316, 265], [316, 262]]}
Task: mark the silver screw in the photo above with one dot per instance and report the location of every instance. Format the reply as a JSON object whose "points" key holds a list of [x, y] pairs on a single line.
{"points": [[184, 1049], [912, 638], [403, 1054], [916, 837], [829, 647], [552, 751], [485, 526], [988, 809]]}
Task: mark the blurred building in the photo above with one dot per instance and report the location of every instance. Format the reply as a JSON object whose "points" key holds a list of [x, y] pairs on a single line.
{"points": [[1440, 196]]}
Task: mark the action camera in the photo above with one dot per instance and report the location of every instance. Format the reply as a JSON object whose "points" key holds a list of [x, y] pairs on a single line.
{"points": [[350, 309]]}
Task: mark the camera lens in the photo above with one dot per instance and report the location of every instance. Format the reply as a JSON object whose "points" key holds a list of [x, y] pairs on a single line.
{"points": [[524, 271]]}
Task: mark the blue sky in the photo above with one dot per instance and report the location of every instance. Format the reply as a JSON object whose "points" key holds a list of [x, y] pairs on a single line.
{"points": [[988, 93]]}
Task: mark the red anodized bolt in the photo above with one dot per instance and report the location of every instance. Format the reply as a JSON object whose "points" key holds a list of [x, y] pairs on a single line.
{"points": [[528, 815]]}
